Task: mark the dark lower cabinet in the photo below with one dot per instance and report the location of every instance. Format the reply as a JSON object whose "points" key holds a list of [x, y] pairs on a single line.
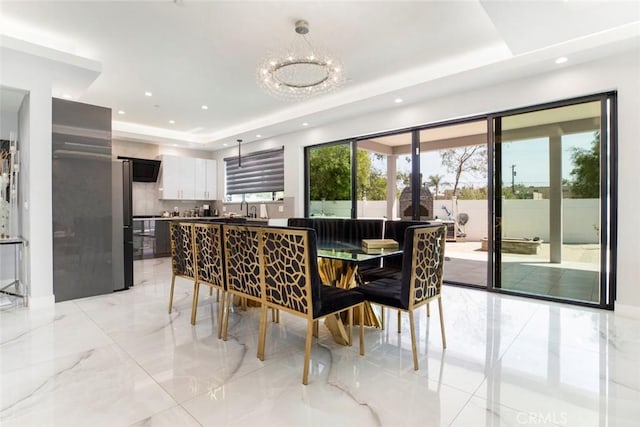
{"points": [[163, 242]]}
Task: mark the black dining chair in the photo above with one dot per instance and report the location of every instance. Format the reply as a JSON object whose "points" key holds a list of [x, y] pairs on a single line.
{"points": [[241, 267], [209, 261], [392, 265], [291, 282], [182, 255], [421, 279]]}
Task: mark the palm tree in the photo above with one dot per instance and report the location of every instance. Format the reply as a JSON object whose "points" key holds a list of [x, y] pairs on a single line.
{"points": [[435, 181]]}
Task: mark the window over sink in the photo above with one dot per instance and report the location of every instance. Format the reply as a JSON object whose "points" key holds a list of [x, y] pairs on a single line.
{"points": [[259, 178]]}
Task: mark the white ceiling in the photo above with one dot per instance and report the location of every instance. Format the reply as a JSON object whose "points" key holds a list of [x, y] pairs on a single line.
{"points": [[189, 53]]}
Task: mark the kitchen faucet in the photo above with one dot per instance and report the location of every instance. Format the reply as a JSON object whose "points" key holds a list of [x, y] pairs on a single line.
{"points": [[253, 212], [245, 203]]}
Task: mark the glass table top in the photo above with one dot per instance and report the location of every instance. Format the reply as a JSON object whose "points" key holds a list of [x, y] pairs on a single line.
{"points": [[351, 252]]}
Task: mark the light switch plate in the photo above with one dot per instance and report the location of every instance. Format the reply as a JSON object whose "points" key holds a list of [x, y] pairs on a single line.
{"points": [[280, 208]]}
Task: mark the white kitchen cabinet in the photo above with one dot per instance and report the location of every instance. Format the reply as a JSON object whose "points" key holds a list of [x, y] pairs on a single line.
{"points": [[205, 180], [178, 178], [188, 178]]}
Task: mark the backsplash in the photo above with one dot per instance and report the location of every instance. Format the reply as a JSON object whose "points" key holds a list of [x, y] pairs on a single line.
{"points": [[146, 202]]}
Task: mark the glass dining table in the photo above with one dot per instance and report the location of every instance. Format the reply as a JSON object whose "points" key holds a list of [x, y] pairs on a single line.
{"points": [[338, 264]]}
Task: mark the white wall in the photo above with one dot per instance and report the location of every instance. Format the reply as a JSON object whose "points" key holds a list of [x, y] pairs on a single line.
{"points": [[619, 72], [8, 124], [22, 68]]}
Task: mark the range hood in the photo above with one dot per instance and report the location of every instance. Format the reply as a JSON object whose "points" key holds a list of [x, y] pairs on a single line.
{"points": [[144, 170]]}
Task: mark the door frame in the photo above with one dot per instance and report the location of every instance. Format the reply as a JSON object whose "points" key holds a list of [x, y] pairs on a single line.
{"points": [[608, 198]]}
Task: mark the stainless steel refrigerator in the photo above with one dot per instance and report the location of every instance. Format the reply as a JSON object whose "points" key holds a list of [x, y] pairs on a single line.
{"points": [[89, 244], [122, 225]]}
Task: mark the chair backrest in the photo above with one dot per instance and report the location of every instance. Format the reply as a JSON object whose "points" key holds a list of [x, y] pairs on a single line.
{"points": [[182, 253], [341, 229], [422, 271], [241, 259], [395, 230], [209, 255], [291, 279]]}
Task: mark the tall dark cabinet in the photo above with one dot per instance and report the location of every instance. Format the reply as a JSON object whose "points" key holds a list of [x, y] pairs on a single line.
{"points": [[82, 201]]}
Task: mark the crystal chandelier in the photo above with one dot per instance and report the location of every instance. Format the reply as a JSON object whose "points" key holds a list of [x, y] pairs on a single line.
{"points": [[302, 71]]}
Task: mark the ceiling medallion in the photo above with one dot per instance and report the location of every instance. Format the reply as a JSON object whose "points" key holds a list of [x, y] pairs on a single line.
{"points": [[300, 72]]}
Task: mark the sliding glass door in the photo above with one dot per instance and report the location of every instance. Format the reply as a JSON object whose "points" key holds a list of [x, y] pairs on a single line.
{"points": [[552, 177], [528, 195], [329, 178]]}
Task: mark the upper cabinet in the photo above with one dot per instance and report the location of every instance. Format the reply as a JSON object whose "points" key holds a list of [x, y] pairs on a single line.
{"points": [[188, 178], [205, 170]]}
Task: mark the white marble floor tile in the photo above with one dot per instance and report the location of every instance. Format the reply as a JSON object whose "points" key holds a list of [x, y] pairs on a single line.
{"points": [[173, 417], [43, 336], [563, 382], [479, 412], [98, 387], [122, 359]]}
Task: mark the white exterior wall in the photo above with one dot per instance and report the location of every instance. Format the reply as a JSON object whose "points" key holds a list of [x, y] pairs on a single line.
{"points": [[526, 218], [619, 72]]}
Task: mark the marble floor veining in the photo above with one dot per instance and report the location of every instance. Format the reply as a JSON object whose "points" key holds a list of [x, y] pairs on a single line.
{"points": [[122, 360]]}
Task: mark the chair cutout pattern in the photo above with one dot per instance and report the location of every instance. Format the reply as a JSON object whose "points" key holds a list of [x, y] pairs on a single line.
{"points": [[291, 282], [241, 267], [209, 261], [421, 280], [182, 255]]}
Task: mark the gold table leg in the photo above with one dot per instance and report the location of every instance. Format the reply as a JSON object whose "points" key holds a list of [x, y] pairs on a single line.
{"points": [[343, 274]]}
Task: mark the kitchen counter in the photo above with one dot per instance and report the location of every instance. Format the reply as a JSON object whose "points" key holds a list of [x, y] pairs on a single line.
{"points": [[201, 218], [151, 237]]}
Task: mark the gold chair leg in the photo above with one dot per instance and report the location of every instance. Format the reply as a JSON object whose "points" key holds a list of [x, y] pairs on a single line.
{"points": [[428, 311], [399, 321], [307, 352], [362, 329], [414, 348], [194, 304], [382, 315], [225, 322], [350, 315], [210, 291], [444, 337], [315, 328], [220, 314], [173, 284], [262, 332], [218, 295]]}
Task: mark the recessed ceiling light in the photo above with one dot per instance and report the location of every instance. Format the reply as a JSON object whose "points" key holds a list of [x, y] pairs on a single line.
{"points": [[67, 96], [121, 112], [172, 121], [561, 60], [204, 107], [175, 145], [258, 136], [398, 100], [305, 124], [148, 94], [225, 144]]}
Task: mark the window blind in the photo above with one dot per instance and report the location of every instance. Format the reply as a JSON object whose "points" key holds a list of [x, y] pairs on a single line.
{"points": [[261, 172]]}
